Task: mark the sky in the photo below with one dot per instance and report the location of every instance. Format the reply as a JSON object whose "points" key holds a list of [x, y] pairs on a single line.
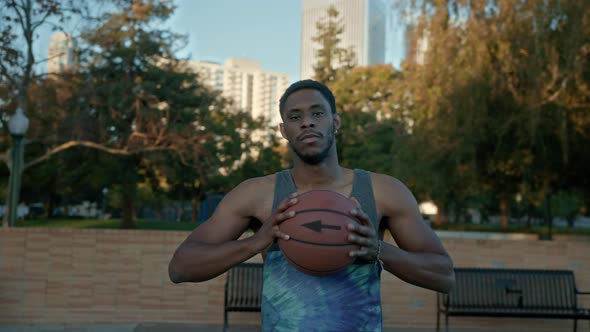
{"points": [[266, 31]]}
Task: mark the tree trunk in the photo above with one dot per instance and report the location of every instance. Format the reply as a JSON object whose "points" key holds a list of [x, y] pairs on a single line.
{"points": [[504, 212], [129, 183], [571, 221], [158, 211], [196, 200], [529, 216], [128, 220], [179, 210], [548, 218], [438, 217], [49, 206], [441, 215]]}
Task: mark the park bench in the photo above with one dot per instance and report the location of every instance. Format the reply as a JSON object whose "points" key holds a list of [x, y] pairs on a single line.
{"points": [[522, 293], [243, 290]]}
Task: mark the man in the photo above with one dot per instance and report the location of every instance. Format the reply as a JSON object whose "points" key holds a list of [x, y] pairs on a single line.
{"points": [[293, 301]]}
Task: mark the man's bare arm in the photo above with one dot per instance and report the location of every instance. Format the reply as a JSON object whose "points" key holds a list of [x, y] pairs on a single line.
{"points": [[213, 247], [420, 258]]}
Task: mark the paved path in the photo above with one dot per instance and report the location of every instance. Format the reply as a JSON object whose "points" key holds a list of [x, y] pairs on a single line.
{"points": [[172, 327]]}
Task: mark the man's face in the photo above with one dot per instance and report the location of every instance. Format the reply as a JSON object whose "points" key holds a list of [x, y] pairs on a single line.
{"points": [[309, 125]]}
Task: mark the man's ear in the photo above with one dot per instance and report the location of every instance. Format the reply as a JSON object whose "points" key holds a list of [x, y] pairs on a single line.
{"points": [[282, 128], [337, 122]]}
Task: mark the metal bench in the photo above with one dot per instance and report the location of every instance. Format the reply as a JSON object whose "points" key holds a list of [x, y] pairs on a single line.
{"points": [[243, 290], [512, 293]]}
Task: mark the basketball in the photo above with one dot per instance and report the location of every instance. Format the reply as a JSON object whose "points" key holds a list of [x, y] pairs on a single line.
{"points": [[318, 242]]}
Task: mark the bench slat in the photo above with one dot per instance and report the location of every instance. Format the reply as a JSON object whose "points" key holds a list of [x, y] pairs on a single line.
{"points": [[497, 288], [244, 287], [513, 293]]}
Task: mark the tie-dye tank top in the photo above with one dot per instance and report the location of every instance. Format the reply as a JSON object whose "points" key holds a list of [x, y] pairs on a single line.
{"points": [[349, 300]]}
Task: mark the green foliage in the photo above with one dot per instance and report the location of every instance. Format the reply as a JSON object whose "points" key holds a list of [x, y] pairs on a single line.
{"points": [[499, 101], [152, 125], [567, 205], [373, 124], [106, 224], [490, 104]]}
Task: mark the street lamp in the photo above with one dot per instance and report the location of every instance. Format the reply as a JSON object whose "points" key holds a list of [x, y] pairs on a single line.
{"points": [[105, 193], [17, 125]]}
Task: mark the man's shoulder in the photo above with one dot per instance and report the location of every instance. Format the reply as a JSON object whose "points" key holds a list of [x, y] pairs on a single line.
{"points": [[256, 188], [380, 178], [258, 184], [383, 183], [250, 195], [391, 194]]}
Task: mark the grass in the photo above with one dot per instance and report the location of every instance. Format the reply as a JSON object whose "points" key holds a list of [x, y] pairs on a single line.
{"points": [[510, 229], [107, 224], [189, 226]]}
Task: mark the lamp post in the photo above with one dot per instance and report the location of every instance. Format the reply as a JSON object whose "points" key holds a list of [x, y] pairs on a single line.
{"points": [[105, 193], [17, 125]]}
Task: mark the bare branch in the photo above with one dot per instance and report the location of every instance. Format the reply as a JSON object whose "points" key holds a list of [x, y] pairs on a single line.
{"points": [[35, 25], [512, 88], [554, 96], [4, 156], [49, 58], [20, 16], [555, 78], [5, 70], [97, 146]]}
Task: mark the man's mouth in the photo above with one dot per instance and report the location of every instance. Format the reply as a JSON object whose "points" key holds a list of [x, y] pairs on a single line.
{"points": [[309, 138]]}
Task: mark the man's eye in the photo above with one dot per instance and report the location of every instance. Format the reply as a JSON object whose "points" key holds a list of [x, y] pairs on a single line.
{"points": [[294, 117], [318, 113]]}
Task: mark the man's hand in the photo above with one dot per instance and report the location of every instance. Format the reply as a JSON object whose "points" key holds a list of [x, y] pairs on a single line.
{"points": [[270, 228], [363, 234]]}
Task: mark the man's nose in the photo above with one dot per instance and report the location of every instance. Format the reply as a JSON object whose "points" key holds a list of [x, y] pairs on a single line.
{"points": [[307, 121]]}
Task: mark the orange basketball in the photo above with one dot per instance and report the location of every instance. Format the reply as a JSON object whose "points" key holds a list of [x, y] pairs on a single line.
{"points": [[318, 242]]}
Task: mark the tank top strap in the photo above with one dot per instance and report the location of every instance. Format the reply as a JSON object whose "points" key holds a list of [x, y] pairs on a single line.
{"points": [[362, 190], [284, 186]]}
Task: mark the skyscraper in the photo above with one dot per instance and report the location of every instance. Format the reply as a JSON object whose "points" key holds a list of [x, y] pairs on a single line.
{"points": [[62, 53], [246, 84], [364, 29]]}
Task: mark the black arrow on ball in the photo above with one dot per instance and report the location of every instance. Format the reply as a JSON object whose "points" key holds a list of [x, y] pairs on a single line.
{"points": [[317, 226]]}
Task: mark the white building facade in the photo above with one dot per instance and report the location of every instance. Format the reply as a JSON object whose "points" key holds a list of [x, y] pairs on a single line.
{"points": [[364, 30], [246, 84], [62, 53]]}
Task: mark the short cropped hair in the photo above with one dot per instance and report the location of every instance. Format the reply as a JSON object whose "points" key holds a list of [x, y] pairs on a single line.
{"points": [[308, 84]]}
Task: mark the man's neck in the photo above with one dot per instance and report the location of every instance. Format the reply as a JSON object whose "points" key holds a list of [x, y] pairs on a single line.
{"points": [[308, 176]]}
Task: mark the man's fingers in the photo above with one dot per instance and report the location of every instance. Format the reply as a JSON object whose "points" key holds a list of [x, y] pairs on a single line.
{"points": [[284, 216], [361, 216], [355, 202], [280, 235], [365, 231], [287, 202], [358, 253], [366, 242]]}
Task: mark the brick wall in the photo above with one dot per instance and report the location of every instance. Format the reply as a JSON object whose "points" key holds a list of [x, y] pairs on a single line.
{"points": [[102, 276]]}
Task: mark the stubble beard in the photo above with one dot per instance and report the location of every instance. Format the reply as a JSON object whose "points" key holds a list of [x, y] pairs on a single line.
{"points": [[316, 158]]}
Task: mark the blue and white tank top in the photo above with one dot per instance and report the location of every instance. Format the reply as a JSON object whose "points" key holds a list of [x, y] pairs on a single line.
{"points": [[349, 300]]}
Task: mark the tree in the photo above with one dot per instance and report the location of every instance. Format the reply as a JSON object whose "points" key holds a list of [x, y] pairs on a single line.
{"points": [[502, 94], [18, 60], [232, 145], [137, 99], [373, 119], [331, 57], [132, 102], [21, 19]]}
